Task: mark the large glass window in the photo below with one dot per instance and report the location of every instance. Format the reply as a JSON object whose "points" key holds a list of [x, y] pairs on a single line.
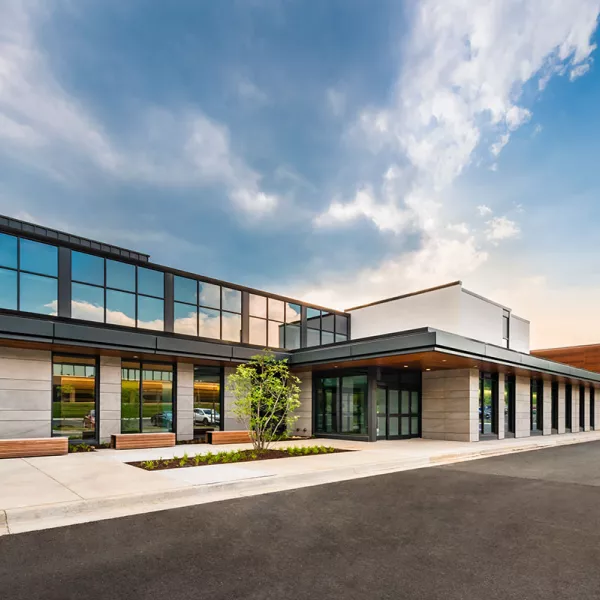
{"points": [[488, 404], [232, 300], [120, 276], [74, 411], [186, 319], [209, 323], [151, 282], [150, 313], [536, 405], [568, 407], [28, 275], [207, 400], [120, 308], [209, 295], [341, 404], [146, 397], [87, 268], [87, 302], [231, 325], [186, 290]]}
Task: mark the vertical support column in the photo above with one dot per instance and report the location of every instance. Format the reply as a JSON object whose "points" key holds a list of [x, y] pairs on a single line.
{"points": [[303, 425], [501, 423], [246, 318], [547, 407], [522, 406], [574, 408], [597, 407], [185, 401], [64, 282], [229, 420], [169, 302], [561, 407], [586, 408], [109, 402], [372, 403]]}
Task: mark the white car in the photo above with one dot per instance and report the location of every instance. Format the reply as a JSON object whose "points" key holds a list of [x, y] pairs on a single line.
{"points": [[206, 416]]}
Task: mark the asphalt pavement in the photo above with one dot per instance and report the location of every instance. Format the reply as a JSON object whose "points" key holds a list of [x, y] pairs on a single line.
{"points": [[524, 526]]}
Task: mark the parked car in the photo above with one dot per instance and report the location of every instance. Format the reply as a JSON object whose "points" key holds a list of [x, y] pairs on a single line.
{"points": [[163, 419], [206, 416]]}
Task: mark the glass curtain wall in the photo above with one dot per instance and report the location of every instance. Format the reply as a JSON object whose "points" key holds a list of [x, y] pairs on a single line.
{"points": [[488, 404], [341, 404], [592, 393], [554, 404], [207, 400], [509, 406], [568, 407], [74, 396], [28, 275], [536, 406], [581, 408], [146, 397]]}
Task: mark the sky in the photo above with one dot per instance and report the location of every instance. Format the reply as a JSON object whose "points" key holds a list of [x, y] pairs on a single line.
{"points": [[340, 151]]}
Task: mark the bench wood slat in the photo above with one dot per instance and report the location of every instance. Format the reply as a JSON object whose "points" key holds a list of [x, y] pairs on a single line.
{"points": [[228, 437], [130, 441], [24, 448]]}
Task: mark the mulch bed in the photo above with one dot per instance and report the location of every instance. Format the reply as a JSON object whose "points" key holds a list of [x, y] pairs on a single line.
{"points": [[230, 457]]}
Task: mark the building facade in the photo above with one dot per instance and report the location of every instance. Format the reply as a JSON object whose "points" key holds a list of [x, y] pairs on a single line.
{"points": [[97, 340]]}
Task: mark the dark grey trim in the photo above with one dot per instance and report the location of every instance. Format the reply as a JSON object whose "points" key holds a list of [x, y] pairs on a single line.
{"points": [[169, 303], [64, 282], [53, 236], [303, 326]]}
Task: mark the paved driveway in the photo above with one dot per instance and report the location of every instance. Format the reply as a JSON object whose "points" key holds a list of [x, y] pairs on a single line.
{"points": [[521, 526]]}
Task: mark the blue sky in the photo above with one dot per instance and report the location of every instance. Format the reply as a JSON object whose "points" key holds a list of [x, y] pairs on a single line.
{"points": [[341, 151]]}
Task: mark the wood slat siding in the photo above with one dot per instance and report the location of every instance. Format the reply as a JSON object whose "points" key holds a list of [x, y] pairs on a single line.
{"points": [[26, 448], [228, 437], [583, 357], [130, 441]]}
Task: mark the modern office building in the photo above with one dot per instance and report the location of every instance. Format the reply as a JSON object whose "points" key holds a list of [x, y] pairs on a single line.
{"points": [[97, 340]]}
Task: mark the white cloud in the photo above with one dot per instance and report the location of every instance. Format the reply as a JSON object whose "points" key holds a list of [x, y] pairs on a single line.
{"points": [[464, 66], [41, 124], [460, 228], [501, 228], [578, 71], [248, 91]]}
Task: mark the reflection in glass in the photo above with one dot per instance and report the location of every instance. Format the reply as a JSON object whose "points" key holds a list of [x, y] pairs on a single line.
{"points": [[232, 300], [313, 337], [8, 289], [313, 318], [209, 323], [186, 290], [328, 322], [292, 337], [186, 319], [292, 313], [276, 310], [405, 404], [340, 338], [74, 397], [130, 397], [354, 404], [87, 302], [258, 306], [120, 308], [150, 313], [275, 331], [38, 294], [485, 407], [326, 337], [151, 282], [394, 404], [39, 258], [87, 268], [258, 331], [414, 402], [8, 251], [341, 324], [394, 426], [120, 276], [414, 426], [326, 405], [209, 295], [157, 398], [405, 429], [231, 327], [207, 400]]}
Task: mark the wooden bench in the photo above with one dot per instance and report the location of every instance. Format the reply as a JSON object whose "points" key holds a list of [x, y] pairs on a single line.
{"points": [[24, 448], [129, 441], [228, 437]]}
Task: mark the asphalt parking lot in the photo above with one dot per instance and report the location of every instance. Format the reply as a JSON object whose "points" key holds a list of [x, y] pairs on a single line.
{"points": [[519, 526]]}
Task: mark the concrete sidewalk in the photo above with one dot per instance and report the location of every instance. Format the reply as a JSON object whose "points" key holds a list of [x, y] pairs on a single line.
{"points": [[39, 493]]}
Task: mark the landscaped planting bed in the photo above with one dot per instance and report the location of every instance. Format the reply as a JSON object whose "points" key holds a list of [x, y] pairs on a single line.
{"points": [[231, 456]]}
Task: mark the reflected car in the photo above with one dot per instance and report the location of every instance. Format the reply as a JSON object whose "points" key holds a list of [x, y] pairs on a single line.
{"points": [[163, 419], [89, 421], [206, 416], [487, 412]]}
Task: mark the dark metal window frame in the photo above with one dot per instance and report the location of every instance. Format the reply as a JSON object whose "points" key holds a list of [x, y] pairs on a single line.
{"points": [[581, 407], [399, 387], [221, 391], [18, 270], [554, 407], [493, 378], [140, 379], [592, 395], [96, 439], [568, 407], [509, 405], [536, 422]]}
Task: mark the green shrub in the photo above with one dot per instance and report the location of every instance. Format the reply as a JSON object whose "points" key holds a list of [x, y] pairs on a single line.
{"points": [[74, 448]]}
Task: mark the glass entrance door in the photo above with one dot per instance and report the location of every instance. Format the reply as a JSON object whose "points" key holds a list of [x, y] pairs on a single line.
{"points": [[397, 413]]}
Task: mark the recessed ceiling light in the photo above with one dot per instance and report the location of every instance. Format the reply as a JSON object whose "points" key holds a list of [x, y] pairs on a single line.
{"points": [[406, 366], [428, 369], [444, 360]]}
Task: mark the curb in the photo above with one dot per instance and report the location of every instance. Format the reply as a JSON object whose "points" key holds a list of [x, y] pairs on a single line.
{"points": [[20, 520]]}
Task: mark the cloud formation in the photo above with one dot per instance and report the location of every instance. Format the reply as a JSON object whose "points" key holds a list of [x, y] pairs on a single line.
{"points": [[45, 127]]}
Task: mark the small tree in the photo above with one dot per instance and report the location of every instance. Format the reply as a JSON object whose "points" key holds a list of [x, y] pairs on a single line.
{"points": [[266, 395]]}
